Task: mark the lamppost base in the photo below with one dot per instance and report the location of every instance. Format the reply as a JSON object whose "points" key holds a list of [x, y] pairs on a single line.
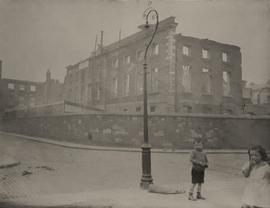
{"points": [[146, 179]]}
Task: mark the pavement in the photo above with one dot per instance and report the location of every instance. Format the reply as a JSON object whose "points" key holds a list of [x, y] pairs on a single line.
{"points": [[118, 149], [39, 172]]}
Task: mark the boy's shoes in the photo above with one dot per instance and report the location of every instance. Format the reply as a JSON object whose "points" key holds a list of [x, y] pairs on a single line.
{"points": [[199, 196], [190, 197]]}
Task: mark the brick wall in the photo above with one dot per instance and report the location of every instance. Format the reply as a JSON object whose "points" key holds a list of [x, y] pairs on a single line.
{"points": [[164, 130]]}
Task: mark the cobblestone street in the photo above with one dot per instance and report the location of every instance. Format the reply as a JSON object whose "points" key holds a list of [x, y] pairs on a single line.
{"points": [[46, 169]]}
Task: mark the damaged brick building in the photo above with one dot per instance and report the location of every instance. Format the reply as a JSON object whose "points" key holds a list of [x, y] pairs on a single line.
{"points": [[185, 74]]}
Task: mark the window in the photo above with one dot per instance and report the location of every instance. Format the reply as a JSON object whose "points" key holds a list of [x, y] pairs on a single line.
{"points": [[22, 88], [32, 101], [127, 59], [82, 76], [225, 57], [205, 54], [11, 86], [154, 80], [89, 94], [32, 88], [21, 101], [207, 109], [126, 84], [115, 63], [138, 109], [69, 94], [98, 92], [139, 84], [140, 55], [76, 93], [115, 87], [82, 93], [153, 109], [155, 49], [206, 81], [186, 78], [226, 83], [185, 50], [187, 109]]}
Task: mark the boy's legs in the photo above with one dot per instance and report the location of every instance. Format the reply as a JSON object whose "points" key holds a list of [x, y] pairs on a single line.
{"points": [[190, 193], [199, 190], [192, 188]]}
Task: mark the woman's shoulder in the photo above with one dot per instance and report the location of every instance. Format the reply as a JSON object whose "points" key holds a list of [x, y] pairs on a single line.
{"points": [[266, 165], [263, 168]]}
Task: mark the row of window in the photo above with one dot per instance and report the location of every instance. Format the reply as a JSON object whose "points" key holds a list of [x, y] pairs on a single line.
{"points": [[94, 89], [153, 84], [26, 101], [205, 53], [154, 50], [139, 56], [206, 81], [11, 86]]}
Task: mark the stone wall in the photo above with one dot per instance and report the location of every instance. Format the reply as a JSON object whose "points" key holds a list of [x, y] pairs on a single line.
{"points": [[165, 131]]}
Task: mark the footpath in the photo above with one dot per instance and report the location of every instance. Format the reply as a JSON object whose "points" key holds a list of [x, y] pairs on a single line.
{"points": [[220, 192], [118, 149]]}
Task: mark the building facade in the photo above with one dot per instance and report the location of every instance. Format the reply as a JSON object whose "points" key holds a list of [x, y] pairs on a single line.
{"points": [[185, 74], [17, 93], [208, 76], [50, 91], [258, 98]]}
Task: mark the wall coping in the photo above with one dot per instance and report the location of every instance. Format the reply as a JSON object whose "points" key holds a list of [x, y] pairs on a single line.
{"points": [[197, 115]]}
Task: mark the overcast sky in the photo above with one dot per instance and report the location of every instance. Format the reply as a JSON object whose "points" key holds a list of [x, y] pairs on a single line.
{"points": [[39, 34]]}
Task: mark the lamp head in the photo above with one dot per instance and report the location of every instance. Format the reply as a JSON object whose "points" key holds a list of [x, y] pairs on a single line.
{"points": [[146, 25]]}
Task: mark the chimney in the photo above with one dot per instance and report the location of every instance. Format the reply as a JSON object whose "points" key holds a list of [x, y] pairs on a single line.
{"points": [[48, 75], [120, 34], [101, 40], [0, 69]]}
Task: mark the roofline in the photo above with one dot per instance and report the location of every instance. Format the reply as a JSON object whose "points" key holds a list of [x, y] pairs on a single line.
{"points": [[179, 35], [169, 21], [33, 82]]}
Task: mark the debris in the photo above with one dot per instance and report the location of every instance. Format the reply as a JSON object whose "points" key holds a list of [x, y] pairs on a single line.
{"points": [[26, 173], [8, 163], [45, 167]]}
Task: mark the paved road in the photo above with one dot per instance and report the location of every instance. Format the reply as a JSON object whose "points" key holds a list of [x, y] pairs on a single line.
{"points": [[48, 169]]}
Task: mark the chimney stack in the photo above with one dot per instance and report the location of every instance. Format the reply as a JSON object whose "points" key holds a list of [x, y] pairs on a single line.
{"points": [[48, 75], [101, 41]]}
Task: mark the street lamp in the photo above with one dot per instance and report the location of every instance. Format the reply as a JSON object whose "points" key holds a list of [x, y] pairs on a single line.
{"points": [[146, 179]]}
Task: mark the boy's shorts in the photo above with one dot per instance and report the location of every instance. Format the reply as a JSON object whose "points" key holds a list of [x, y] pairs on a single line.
{"points": [[197, 176]]}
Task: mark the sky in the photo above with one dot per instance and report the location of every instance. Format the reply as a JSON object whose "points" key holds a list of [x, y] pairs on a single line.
{"points": [[36, 35]]}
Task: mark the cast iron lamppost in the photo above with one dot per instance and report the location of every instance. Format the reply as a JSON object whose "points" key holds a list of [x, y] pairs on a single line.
{"points": [[146, 179]]}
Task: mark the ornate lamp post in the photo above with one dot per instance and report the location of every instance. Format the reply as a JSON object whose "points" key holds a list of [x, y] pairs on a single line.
{"points": [[147, 179]]}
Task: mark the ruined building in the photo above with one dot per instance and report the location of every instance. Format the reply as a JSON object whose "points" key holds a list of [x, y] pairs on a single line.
{"points": [[185, 74]]}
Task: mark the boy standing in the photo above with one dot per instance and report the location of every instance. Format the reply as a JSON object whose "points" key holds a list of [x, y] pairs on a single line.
{"points": [[199, 163]]}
